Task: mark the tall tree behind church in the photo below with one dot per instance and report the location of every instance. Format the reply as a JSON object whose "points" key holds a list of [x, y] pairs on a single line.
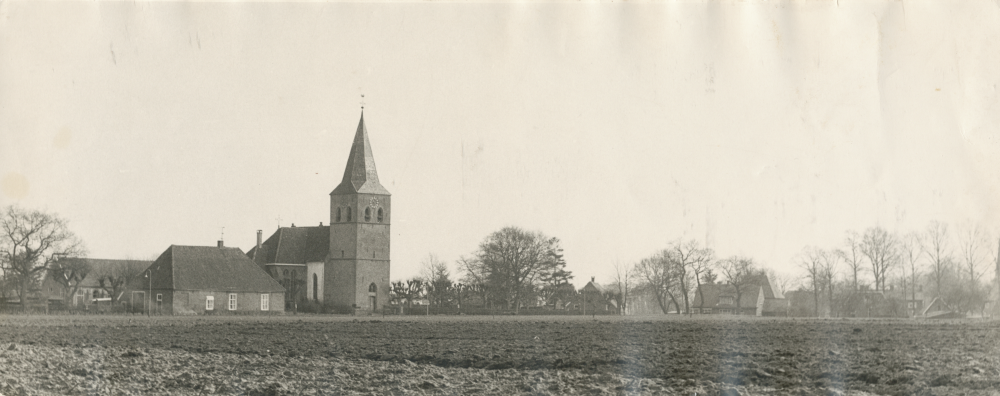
{"points": [[513, 263]]}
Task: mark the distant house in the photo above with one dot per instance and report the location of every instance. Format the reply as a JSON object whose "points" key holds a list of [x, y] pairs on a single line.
{"points": [[756, 298], [93, 288], [593, 297], [205, 280]]}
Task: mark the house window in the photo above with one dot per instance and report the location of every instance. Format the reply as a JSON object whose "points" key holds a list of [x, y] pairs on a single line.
{"points": [[232, 301], [379, 215], [159, 297], [348, 213], [726, 300], [264, 302], [368, 214], [372, 288], [95, 294], [209, 303], [338, 214]]}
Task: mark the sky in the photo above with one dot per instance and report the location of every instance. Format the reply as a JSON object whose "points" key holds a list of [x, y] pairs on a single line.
{"points": [[756, 128]]}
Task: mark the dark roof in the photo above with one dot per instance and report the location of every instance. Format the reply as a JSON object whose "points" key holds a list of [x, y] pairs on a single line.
{"points": [[775, 305], [761, 280], [293, 245], [99, 267], [210, 268], [592, 287], [714, 293], [360, 175]]}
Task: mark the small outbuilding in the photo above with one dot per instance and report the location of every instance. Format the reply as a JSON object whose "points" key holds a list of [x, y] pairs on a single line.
{"points": [[205, 280]]}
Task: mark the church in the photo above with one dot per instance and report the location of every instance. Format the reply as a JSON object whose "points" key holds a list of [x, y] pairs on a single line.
{"points": [[345, 264]]}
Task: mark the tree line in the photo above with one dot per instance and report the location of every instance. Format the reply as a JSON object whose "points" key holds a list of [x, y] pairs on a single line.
{"points": [[935, 262]]}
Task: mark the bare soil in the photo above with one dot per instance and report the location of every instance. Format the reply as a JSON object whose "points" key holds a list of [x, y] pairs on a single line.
{"points": [[577, 355]]}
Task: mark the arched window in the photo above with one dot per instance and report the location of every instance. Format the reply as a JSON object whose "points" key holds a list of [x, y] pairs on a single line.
{"points": [[348, 213], [372, 288], [285, 272], [315, 287], [368, 214], [293, 274], [379, 215], [338, 214]]}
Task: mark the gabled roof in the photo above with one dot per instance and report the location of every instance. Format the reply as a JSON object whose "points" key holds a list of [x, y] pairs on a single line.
{"points": [[99, 267], [938, 304], [293, 245], [714, 292], [592, 287], [360, 175], [209, 268]]}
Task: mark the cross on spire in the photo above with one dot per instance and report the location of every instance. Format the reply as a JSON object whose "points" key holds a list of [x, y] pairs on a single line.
{"points": [[362, 102]]}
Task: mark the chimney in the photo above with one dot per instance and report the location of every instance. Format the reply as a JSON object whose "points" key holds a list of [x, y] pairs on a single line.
{"points": [[321, 224], [293, 225], [220, 243], [259, 236], [591, 279]]}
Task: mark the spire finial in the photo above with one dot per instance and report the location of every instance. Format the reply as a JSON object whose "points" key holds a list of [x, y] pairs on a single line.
{"points": [[362, 103]]}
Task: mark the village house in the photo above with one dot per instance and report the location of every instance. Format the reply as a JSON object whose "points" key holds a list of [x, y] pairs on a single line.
{"points": [[94, 289], [756, 298], [205, 280]]}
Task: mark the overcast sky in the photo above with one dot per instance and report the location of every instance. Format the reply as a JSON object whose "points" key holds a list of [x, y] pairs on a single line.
{"points": [[754, 127]]}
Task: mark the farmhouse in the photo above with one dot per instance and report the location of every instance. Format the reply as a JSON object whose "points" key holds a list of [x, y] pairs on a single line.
{"points": [[756, 298], [205, 280], [344, 264], [102, 281]]}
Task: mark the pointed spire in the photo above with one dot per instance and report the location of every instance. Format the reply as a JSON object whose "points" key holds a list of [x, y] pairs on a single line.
{"points": [[360, 175]]}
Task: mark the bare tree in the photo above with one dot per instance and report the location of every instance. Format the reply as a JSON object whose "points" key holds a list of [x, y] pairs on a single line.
{"points": [[703, 271], [624, 282], [436, 279], [935, 245], [661, 278], [69, 272], [851, 254], [827, 273], [973, 246], [996, 278], [910, 253], [739, 272], [687, 259], [811, 261], [114, 277], [882, 251], [29, 243]]}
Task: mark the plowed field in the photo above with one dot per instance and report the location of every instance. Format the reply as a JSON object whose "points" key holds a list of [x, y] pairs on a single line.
{"points": [[671, 354]]}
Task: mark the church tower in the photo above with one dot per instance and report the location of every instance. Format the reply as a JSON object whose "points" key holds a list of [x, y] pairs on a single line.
{"points": [[357, 268]]}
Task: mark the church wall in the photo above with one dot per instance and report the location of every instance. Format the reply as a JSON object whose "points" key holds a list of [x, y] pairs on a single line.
{"points": [[317, 270], [372, 271], [373, 242], [343, 235], [338, 285]]}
